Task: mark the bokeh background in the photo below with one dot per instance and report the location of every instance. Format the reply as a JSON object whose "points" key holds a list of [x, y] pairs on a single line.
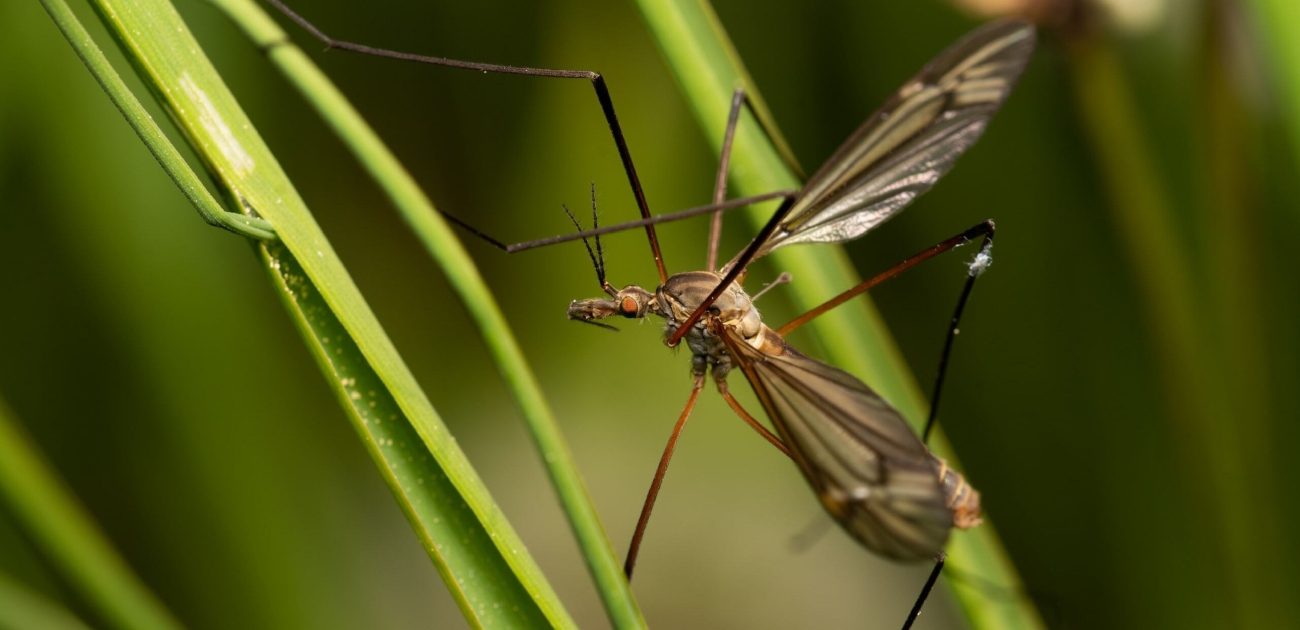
{"points": [[1122, 391]]}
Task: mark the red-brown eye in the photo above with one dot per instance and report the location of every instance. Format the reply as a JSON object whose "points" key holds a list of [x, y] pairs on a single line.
{"points": [[629, 307]]}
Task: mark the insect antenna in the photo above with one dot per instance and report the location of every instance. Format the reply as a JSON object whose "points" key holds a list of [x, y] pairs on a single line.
{"points": [[597, 256], [597, 260], [600, 251]]}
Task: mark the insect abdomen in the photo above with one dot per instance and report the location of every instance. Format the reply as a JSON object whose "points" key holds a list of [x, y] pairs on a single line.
{"points": [[962, 499]]}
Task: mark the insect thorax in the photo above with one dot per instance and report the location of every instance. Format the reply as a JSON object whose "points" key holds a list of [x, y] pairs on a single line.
{"points": [[683, 293]]}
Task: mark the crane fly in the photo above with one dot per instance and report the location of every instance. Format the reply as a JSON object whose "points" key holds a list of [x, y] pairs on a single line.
{"points": [[872, 473]]}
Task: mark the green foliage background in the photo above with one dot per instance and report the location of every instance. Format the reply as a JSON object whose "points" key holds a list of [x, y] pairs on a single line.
{"points": [[1121, 392]]}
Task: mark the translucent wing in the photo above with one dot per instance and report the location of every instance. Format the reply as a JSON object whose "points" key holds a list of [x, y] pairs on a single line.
{"points": [[911, 141], [870, 470]]}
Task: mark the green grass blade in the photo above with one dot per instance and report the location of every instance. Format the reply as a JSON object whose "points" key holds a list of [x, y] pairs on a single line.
{"points": [[21, 608], [63, 532], [480, 556], [149, 131], [1279, 23], [1239, 486], [708, 68], [419, 213], [460, 544]]}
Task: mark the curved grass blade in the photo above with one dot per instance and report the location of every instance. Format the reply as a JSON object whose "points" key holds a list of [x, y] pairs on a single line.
{"points": [[448, 529], [419, 213], [706, 64], [1278, 24], [494, 580], [22, 608], [1193, 349], [69, 539]]}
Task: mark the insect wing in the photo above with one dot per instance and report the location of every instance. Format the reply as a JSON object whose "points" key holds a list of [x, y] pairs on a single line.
{"points": [[911, 141], [867, 466]]}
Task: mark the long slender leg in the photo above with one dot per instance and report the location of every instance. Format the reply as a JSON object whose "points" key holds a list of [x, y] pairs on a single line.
{"points": [[512, 248], [597, 83], [749, 420], [767, 126], [925, 592], [977, 267], [984, 229], [646, 508], [742, 262], [634, 546], [775, 441], [720, 181], [950, 337], [606, 101], [739, 98]]}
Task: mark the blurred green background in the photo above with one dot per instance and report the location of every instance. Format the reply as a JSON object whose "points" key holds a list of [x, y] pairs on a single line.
{"points": [[1121, 392]]}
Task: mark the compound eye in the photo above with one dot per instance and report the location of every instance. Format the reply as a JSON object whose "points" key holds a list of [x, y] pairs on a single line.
{"points": [[629, 307]]}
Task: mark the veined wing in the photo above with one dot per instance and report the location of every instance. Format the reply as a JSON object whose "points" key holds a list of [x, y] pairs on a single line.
{"points": [[911, 141], [871, 472]]}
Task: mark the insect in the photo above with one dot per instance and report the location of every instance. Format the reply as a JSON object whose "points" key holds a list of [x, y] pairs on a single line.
{"points": [[872, 473]]}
